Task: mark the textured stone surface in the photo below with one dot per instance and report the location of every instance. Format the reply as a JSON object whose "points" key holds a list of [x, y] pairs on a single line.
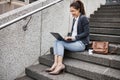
{"points": [[104, 16], [89, 8], [105, 19], [115, 62], [54, 19], [4, 7], [38, 72], [103, 37], [105, 31], [19, 48], [111, 7], [85, 69], [24, 78], [108, 10], [104, 25], [106, 60]]}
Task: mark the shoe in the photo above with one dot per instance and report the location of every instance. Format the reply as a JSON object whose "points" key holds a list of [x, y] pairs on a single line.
{"points": [[57, 70], [50, 69]]}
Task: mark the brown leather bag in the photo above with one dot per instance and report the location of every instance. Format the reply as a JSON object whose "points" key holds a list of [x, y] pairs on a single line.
{"points": [[100, 47]]}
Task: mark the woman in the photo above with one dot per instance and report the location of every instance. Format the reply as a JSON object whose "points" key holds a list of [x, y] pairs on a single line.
{"points": [[79, 37]]}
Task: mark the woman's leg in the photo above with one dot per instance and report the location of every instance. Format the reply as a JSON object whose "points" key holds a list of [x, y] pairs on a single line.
{"points": [[74, 46], [60, 46], [60, 66], [54, 64], [55, 59], [58, 50]]}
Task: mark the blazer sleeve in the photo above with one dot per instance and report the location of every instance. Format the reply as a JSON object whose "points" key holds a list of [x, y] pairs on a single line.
{"points": [[85, 25]]}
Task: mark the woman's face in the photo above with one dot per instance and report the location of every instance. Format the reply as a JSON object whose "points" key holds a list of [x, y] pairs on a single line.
{"points": [[75, 13]]}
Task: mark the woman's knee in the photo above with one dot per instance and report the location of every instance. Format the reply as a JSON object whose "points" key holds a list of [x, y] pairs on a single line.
{"points": [[58, 42]]}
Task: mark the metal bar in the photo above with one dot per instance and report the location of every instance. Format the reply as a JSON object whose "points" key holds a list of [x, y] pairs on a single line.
{"points": [[28, 14]]}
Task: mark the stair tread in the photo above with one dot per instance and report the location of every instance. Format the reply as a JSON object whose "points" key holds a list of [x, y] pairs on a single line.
{"points": [[105, 31], [105, 20], [90, 67], [40, 70], [99, 23], [108, 8], [104, 16], [110, 5], [86, 53], [24, 78], [106, 60], [105, 35], [108, 18], [117, 13], [98, 58], [102, 37]]}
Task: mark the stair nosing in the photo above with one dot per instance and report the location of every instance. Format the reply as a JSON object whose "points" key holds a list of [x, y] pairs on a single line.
{"points": [[84, 65], [32, 69]]}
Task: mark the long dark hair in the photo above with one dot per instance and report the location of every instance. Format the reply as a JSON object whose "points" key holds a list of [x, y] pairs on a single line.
{"points": [[77, 4]]}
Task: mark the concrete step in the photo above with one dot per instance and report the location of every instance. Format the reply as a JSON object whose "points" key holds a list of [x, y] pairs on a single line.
{"points": [[118, 13], [105, 31], [105, 25], [24, 78], [108, 10], [104, 16], [105, 60], [38, 73], [85, 69], [105, 20], [110, 60], [109, 38], [111, 7]]}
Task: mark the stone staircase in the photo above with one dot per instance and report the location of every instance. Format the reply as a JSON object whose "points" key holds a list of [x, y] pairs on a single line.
{"points": [[104, 26], [6, 6]]}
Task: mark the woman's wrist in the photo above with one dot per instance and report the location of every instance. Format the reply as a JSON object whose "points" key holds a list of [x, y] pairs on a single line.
{"points": [[73, 38]]}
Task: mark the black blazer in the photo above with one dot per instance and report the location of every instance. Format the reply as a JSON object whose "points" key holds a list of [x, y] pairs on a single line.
{"points": [[82, 29]]}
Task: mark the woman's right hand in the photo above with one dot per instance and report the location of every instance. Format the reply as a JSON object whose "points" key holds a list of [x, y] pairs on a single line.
{"points": [[68, 38]]}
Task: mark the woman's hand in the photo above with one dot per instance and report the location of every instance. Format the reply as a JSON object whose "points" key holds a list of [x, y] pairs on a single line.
{"points": [[68, 38]]}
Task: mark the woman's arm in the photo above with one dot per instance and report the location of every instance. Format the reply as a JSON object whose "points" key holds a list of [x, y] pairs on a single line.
{"points": [[85, 25]]}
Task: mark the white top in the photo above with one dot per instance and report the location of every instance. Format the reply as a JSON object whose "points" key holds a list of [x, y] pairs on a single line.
{"points": [[74, 33]]}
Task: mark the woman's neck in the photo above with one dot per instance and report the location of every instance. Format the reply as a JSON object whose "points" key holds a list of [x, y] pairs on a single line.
{"points": [[78, 15]]}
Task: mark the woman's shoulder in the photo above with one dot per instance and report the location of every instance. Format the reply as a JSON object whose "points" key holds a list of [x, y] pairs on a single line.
{"points": [[84, 19], [83, 16]]}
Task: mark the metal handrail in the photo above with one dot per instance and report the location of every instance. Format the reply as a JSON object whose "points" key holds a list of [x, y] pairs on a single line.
{"points": [[28, 14]]}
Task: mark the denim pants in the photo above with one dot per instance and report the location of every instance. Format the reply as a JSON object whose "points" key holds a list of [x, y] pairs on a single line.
{"points": [[59, 47]]}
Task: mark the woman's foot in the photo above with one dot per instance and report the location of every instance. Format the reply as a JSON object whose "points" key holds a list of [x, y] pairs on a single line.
{"points": [[58, 69], [52, 68]]}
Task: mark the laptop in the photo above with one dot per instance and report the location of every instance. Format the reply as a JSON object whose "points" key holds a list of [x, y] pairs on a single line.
{"points": [[59, 37]]}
